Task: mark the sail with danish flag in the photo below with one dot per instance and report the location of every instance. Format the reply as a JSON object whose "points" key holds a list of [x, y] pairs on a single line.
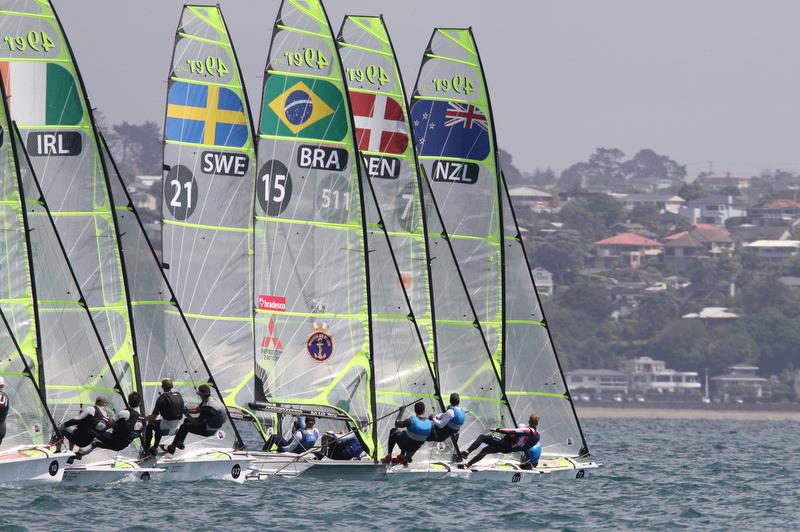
{"points": [[380, 123]]}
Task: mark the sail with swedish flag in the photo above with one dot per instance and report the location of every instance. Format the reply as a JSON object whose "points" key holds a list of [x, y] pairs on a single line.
{"points": [[49, 103], [209, 174]]}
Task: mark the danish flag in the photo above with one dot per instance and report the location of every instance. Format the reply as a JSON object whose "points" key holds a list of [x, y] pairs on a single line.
{"points": [[380, 126]]}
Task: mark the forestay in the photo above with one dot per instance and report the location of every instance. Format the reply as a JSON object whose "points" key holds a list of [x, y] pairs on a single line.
{"points": [[164, 341], [448, 113], [49, 104], [311, 273], [209, 168]]}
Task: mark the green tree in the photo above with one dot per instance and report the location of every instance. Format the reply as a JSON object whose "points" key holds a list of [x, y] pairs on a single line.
{"points": [[648, 163], [692, 191], [592, 298], [561, 254]]}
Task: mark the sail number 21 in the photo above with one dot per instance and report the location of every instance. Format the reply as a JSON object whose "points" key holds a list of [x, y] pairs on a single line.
{"points": [[38, 41]]}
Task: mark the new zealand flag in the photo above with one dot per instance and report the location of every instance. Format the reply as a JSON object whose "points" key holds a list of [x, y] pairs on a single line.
{"points": [[450, 129]]}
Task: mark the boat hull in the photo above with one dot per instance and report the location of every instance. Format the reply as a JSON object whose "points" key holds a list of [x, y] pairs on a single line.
{"points": [[219, 465], [31, 467], [507, 471], [108, 472]]}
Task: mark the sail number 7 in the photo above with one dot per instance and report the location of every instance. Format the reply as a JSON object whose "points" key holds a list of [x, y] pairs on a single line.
{"points": [[38, 41]]}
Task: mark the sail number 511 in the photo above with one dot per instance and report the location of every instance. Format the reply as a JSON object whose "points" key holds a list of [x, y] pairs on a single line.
{"points": [[460, 84], [38, 41]]}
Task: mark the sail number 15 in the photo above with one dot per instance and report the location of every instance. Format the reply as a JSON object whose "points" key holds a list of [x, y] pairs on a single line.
{"points": [[38, 41]]}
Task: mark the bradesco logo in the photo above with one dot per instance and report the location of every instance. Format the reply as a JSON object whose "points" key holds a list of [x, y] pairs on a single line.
{"points": [[276, 303]]}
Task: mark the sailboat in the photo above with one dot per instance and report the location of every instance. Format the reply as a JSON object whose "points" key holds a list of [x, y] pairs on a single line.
{"points": [[207, 207], [167, 348], [454, 132]]}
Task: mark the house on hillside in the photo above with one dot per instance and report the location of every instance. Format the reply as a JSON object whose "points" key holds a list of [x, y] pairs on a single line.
{"points": [[713, 210], [774, 250], [652, 184], [597, 381], [713, 315], [741, 382], [544, 282], [790, 282], [625, 250], [662, 202], [650, 376], [701, 240], [719, 182], [629, 227], [531, 198], [747, 234], [777, 209]]}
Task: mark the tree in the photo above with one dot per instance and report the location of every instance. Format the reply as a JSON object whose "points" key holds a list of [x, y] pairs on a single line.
{"points": [[658, 309], [512, 174], [692, 191], [591, 215], [592, 298], [136, 148], [648, 163], [561, 254], [543, 178], [677, 342], [604, 166]]}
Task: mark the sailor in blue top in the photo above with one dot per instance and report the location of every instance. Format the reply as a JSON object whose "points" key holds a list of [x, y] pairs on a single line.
{"points": [[448, 423], [409, 434], [342, 446], [304, 437]]}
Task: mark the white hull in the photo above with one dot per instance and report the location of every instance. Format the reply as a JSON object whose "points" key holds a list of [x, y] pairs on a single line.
{"points": [[101, 473], [31, 467], [432, 470], [212, 464], [507, 471]]}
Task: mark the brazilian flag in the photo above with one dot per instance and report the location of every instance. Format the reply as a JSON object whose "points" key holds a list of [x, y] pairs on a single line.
{"points": [[303, 108]]}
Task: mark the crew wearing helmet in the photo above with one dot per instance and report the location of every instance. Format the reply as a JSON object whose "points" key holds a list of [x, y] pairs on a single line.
{"points": [[211, 415], [408, 434], [304, 437], [165, 418], [448, 423], [4, 408], [125, 427], [90, 422]]}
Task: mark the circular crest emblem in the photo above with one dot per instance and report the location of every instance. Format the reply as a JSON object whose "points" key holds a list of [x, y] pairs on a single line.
{"points": [[320, 343]]}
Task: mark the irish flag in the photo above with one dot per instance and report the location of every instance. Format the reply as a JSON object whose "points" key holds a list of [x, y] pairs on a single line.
{"points": [[41, 94]]}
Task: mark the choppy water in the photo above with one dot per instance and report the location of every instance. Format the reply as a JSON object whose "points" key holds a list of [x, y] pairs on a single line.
{"points": [[658, 474]]}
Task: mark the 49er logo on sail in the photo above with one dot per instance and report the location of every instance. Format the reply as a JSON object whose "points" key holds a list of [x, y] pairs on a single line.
{"points": [[320, 343]]}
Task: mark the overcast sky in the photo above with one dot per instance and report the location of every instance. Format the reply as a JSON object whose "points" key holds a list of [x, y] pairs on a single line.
{"points": [[698, 80]]}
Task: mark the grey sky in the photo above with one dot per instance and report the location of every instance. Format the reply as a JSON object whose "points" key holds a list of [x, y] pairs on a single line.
{"points": [[699, 80]]}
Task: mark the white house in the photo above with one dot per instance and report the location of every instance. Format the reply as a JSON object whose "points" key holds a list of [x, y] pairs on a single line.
{"points": [[544, 281], [773, 249], [712, 210]]}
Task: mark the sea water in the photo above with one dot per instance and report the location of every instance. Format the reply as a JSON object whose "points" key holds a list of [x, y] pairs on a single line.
{"points": [[657, 474]]}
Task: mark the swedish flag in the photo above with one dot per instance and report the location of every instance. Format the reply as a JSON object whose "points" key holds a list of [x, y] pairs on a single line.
{"points": [[205, 114], [297, 107]]}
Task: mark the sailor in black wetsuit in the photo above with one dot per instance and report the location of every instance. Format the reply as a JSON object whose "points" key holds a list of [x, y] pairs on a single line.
{"points": [[126, 427], [165, 418], [520, 439], [408, 434], [91, 422], [5, 406], [211, 416]]}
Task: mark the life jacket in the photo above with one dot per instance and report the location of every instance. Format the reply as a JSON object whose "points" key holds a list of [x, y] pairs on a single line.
{"points": [[3, 407], [93, 422], [131, 428], [213, 413], [534, 453], [174, 409], [525, 438], [352, 447], [458, 418], [308, 439], [419, 429]]}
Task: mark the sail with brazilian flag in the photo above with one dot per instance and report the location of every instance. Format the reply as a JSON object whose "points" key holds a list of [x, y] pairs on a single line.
{"points": [[48, 101], [209, 172]]}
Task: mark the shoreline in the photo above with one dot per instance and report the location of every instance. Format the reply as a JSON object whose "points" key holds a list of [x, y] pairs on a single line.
{"points": [[683, 412]]}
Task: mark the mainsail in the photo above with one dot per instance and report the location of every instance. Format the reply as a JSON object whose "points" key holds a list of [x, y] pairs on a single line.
{"points": [[48, 101], [209, 172], [164, 341], [311, 280], [456, 142]]}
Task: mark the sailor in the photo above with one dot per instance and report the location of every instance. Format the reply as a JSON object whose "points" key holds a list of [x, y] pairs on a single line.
{"points": [[4, 408], [520, 439], [125, 427], [342, 446], [90, 422], [304, 437], [530, 458], [211, 415], [448, 423], [408, 434], [165, 418]]}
